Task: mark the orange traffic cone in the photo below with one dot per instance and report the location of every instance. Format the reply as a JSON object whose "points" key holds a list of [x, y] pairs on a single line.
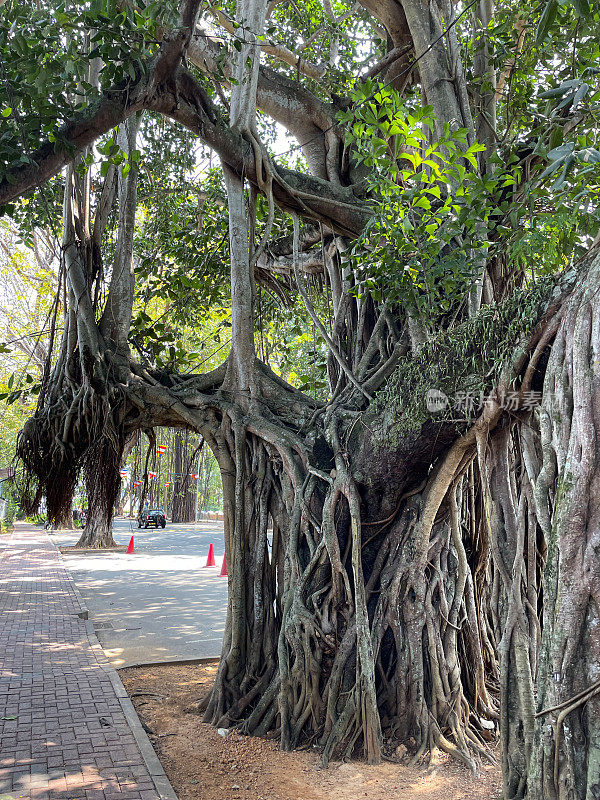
{"points": [[210, 561], [224, 568], [130, 546]]}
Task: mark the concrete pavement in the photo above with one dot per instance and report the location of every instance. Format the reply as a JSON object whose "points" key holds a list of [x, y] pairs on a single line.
{"points": [[159, 604], [67, 728]]}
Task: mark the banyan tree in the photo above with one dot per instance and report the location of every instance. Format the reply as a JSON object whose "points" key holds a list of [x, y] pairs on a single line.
{"points": [[431, 574]]}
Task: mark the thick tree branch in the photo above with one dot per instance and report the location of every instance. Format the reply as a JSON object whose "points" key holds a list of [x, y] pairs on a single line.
{"points": [[309, 196], [284, 100], [113, 107], [186, 102]]}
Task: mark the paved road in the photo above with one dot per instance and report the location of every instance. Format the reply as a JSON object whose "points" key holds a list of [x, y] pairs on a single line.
{"points": [[67, 728], [159, 604]]}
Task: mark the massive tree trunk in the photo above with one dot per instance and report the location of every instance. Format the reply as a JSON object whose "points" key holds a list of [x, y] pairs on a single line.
{"points": [[363, 620], [395, 593], [103, 483], [565, 752]]}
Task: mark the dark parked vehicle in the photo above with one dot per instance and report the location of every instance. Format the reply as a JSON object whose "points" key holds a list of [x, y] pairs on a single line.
{"points": [[152, 516]]}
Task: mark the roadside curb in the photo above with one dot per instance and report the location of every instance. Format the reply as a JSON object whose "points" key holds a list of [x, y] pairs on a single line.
{"points": [[159, 778], [157, 773], [173, 662]]}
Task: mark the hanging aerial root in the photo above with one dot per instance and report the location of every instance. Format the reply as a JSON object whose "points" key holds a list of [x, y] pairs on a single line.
{"points": [[50, 469]]}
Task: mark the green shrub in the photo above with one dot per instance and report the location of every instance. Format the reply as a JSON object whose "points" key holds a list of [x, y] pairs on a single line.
{"points": [[37, 519]]}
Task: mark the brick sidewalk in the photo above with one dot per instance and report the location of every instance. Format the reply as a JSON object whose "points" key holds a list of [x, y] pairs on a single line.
{"points": [[64, 732]]}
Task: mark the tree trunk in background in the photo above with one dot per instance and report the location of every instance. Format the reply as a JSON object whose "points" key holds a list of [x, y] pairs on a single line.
{"points": [[103, 460], [184, 496], [205, 475], [64, 522]]}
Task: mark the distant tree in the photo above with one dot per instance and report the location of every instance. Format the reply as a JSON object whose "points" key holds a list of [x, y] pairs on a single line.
{"points": [[184, 488]]}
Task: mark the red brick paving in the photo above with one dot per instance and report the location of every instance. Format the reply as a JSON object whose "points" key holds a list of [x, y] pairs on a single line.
{"points": [[63, 733]]}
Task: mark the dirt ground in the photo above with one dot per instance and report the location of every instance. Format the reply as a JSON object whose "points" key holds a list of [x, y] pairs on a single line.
{"points": [[203, 765]]}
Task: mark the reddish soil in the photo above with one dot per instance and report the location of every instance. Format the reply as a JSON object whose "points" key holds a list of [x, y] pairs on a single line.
{"points": [[203, 765]]}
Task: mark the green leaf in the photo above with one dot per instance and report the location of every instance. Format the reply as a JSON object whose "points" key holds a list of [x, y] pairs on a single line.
{"points": [[561, 90], [558, 153], [582, 7], [563, 175], [6, 112], [580, 94], [589, 154], [556, 137], [546, 21], [423, 202]]}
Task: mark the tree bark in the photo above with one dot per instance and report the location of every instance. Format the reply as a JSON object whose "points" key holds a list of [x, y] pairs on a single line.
{"points": [[565, 752], [64, 522], [184, 498], [116, 318]]}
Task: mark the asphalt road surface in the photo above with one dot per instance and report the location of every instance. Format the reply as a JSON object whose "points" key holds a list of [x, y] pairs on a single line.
{"points": [[160, 603]]}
